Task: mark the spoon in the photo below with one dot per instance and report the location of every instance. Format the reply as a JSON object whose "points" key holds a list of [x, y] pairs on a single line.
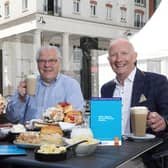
{"points": [[75, 144]]}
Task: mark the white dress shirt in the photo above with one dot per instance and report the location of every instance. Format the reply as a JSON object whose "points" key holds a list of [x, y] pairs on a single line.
{"points": [[125, 92]]}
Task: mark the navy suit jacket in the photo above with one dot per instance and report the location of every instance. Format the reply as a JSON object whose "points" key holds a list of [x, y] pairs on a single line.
{"points": [[152, 86]]}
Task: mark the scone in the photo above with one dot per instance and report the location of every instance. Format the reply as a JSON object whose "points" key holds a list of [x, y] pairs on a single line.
{"points": [[51, 135], [74, 117], [53, 114], [51, 129], [65, 106]]}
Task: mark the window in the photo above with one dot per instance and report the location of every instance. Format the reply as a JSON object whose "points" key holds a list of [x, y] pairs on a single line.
{"points": [[93, 4], [45, 4], [77, 58], [77, 54], [76, 6], [7, 9], [0, 11], [56, 7], [139, 19], [157, 2], [51, 7], [140, 2], [93, 10], [123, 14], [109, 11], [24, 4]]}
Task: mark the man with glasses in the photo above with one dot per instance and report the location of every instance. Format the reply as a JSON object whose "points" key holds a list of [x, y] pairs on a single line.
{"points": [[52, 87]]}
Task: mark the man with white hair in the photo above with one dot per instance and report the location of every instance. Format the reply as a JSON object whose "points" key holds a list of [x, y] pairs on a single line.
{"points": [[52, 87], [138, 88]]}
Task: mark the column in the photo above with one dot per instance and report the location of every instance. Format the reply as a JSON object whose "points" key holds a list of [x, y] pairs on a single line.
{"points": [[65, 53], [9, 67], [36, 45], [19, 59]]}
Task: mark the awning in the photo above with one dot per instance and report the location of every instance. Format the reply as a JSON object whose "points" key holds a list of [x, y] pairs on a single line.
{"points": [[152, 40]]}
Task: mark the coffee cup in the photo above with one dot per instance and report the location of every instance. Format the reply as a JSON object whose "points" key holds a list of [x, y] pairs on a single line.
{"points": [[139, 120], [31, 81]]}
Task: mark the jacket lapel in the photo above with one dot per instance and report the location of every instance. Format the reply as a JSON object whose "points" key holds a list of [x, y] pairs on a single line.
{"points": [[113, 85], [138, 88]]}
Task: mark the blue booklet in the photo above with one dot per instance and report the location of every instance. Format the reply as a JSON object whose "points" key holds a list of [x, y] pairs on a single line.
{"points": [[6, 150], [105, 120]]}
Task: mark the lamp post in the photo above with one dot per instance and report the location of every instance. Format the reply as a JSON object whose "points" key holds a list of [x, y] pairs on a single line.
{"points": [[86, 44]]}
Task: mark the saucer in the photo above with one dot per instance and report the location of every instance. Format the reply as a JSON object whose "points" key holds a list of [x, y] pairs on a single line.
{"points": [[146, 137]]}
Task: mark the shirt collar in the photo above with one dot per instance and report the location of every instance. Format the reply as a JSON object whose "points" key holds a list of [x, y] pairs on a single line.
{"points": [[129, 78], [53, 82]]}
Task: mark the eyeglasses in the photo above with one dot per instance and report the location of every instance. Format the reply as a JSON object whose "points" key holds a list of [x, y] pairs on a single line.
{"points": [[50, 61]]}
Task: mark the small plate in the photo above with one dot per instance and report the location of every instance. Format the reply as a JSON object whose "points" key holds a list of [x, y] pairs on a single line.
{"points": [[26, 145], [146, 137], [65, 126], [4, 132]]}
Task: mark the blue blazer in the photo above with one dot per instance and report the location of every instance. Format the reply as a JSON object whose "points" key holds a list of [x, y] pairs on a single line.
{"points": [[151, 86]]}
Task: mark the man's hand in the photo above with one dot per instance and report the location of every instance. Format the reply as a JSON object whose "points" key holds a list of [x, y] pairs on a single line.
{"points": [[22, 90], [156, 122]]}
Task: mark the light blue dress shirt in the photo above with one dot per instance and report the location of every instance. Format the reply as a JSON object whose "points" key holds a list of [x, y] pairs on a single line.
{"points": [[63, 89]]}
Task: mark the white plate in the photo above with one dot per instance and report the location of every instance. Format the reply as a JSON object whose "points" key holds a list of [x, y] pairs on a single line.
{"points": [[146, 137], [4, 132], [26, 145], [65, 126]]}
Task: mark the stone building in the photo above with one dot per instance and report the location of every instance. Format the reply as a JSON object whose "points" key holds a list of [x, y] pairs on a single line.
{"points": [[25, 25]]}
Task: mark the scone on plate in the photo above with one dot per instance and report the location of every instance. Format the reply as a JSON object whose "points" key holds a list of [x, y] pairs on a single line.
{"points": [[66, 107], [51, 135], [51, 129], [53, 114], [73, 117]]}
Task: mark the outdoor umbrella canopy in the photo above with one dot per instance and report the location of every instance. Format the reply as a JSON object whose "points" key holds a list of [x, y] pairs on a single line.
{"points": [[152, 40]]}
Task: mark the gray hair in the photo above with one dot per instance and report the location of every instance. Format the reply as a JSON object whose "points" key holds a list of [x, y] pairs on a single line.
{"points": [[57, 51]]}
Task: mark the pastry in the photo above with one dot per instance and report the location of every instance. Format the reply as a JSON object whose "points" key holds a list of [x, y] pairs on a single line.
{"points": [[51, 129], [73, 117], [53, 114], [65, 106]]}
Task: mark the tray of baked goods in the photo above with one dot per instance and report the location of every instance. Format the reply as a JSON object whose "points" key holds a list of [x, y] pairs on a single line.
{"points": [[63, 114], [50, 134]]}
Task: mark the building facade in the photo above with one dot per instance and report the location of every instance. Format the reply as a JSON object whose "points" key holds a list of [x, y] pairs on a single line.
{"points": [[26, 25]]}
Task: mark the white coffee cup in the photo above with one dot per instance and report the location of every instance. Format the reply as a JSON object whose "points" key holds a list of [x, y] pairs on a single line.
{"points": [[31, 81], [139, 120]]}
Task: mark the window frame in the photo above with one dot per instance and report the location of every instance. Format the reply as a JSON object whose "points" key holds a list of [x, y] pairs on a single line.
{"points": [[123, 12], [108, 11], [93, 9], [140, 3], [6, 10], [138, 20], [24, 5], [76, 6]]}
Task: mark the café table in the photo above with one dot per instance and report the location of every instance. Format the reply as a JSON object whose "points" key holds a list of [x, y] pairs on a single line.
{"points": [[104, 156]]}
